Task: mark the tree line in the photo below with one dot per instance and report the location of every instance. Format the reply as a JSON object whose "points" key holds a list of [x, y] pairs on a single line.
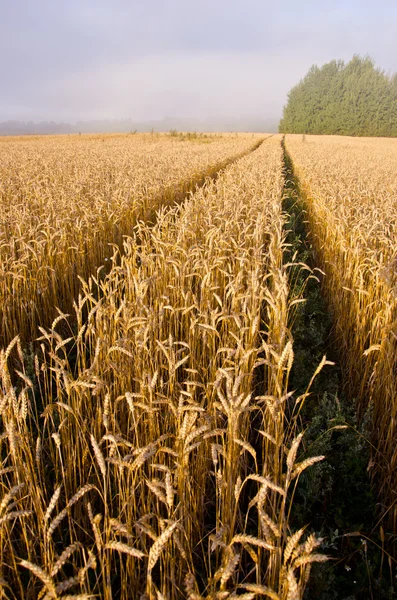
{"points": [[355, 99]]}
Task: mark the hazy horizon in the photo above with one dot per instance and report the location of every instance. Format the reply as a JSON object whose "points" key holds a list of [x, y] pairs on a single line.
{"points": [[16, 127], [227, 62]]}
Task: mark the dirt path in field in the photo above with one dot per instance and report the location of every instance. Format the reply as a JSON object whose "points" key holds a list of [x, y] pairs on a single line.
{"points": [[336, 498]]}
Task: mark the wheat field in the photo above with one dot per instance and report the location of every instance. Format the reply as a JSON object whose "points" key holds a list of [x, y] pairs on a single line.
{"points": [[64, 201], [152, 445], [350, 186]]}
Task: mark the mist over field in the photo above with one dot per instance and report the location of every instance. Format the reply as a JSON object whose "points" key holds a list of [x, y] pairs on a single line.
{"points": [[216, 66], [15, 127]]}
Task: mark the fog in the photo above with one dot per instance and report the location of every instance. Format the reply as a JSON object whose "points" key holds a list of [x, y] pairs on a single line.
{"points": [[205, 63]]}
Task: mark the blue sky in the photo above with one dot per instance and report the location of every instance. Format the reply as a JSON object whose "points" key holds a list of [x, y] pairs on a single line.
{"points": [[96, 59]]}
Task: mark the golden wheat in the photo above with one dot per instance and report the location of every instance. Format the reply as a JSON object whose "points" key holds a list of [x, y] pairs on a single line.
{"points": [[350, 187], [65, 201], [144, 403]]}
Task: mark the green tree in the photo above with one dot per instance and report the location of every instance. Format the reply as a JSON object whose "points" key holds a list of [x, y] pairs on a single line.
{"points": [[345, 99]]}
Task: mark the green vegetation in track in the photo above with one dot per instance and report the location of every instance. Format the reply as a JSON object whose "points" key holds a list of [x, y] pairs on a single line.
{"points": [[336, 495]]}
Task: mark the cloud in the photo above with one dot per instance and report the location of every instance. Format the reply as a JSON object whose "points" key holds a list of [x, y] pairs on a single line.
{"points": [[192, 85], [145, 60]]}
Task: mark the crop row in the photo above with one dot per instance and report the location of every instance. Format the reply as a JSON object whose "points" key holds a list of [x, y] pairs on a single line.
{"points": [[65, 200], [350, 187], [151, 450]]}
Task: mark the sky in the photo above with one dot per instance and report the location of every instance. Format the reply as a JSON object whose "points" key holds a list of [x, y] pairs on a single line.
{"points": [[69, 60]]}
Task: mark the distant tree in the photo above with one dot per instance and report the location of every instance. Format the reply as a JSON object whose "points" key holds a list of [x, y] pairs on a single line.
{"points": [[345, 99]]}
